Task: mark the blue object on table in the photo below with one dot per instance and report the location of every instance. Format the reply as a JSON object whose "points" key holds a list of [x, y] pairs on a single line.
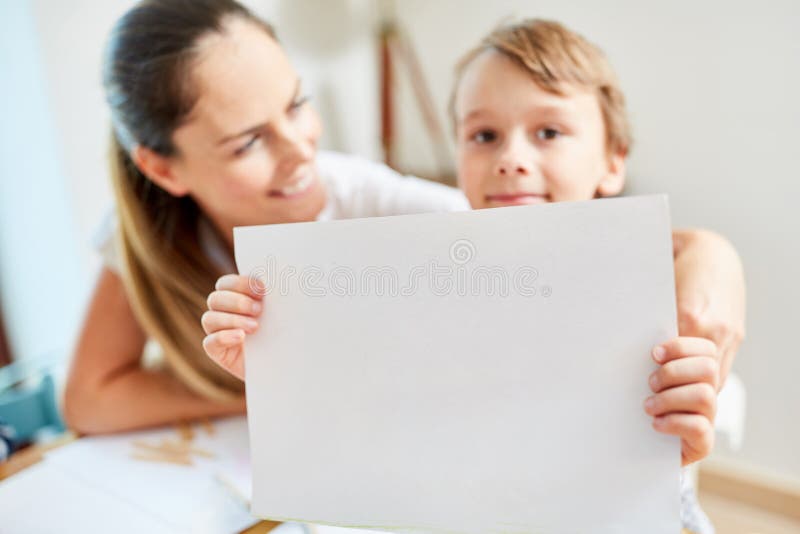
{"points": [[7, 440], [29, 408]]}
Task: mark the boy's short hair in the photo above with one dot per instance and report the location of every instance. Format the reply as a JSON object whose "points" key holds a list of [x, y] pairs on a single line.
{"points": [[554, 55]]}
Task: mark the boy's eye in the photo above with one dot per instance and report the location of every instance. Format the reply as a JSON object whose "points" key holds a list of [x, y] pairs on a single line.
{"points": [[547, 134], [484, 136]]}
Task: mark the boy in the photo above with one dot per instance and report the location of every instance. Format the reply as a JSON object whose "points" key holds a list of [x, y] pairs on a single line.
{"points": [[539, 117]]}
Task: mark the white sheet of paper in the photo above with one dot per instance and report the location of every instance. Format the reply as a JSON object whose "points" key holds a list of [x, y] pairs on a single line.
{"points": [[183, 498], [43, 499], [434, 403]]}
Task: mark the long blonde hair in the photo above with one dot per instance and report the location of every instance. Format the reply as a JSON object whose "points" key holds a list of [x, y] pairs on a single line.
{"points": [[167, 275]]}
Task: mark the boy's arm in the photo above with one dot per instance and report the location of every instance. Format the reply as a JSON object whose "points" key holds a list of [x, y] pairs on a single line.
{"points": [[710, 288]]}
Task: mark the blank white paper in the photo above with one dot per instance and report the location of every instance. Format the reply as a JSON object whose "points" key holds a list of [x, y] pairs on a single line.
{"points": [[43, 499], [183, 498], [467, 372]]}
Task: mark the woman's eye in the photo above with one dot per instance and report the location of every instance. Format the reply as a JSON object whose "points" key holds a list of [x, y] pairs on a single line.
{"points": [[484, 136], [298, 103], [244, 148], [547, 134]]}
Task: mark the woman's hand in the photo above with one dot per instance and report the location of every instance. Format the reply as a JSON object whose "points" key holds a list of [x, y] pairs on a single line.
{"points": [[233, 311], [710, 288], [685, 394]]}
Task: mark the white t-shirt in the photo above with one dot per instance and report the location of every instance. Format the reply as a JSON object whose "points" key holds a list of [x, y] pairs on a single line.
{"points": [[356, 188]]}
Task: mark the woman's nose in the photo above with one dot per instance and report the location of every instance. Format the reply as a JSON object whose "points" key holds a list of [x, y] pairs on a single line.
{"points": [[294, 145]]}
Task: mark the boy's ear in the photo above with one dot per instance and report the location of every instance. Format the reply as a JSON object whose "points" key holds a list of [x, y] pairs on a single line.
{"points": [[159, 169], [614, 180]]}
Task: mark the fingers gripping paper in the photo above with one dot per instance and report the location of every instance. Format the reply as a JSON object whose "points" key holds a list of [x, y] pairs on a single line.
{"points": [[464, 372]]}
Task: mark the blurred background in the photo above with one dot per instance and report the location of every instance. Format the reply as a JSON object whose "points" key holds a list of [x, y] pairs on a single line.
{"points": [[712, 90]]}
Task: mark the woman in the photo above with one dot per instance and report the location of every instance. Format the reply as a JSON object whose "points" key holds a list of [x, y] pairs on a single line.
{"points": [[211, 131]]}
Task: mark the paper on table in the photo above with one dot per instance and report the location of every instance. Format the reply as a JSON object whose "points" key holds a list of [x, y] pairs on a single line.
{"points": [[44, 499], [183, 498], [464, 372]]}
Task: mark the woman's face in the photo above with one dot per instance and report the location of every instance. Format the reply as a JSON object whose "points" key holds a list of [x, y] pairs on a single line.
{"points": [[246, 153]]}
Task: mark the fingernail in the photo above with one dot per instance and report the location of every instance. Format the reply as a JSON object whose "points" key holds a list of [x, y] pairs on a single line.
{"points": [[256, 307], [648, 404], [653, 382], [252, 324], [659, 352], [258, 287], [236, 336]]}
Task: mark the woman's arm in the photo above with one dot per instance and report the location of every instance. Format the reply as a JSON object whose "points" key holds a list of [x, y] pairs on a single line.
{"points": [[710, 287], [107, 389]]}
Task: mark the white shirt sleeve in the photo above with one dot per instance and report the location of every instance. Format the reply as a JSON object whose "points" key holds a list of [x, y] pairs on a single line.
{"points": [[361, 188]]}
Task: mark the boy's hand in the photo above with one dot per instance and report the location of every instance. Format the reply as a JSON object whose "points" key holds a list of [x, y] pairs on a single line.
{"points": [[233, 311], [685, 400]]}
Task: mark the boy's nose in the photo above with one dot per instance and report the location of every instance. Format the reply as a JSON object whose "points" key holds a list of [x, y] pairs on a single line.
{"points": [[511, 165], [515, 157]]}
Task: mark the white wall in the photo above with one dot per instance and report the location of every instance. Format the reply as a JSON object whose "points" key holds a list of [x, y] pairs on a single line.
{"points": [[40, 271], [330, 44], [711, 87]]}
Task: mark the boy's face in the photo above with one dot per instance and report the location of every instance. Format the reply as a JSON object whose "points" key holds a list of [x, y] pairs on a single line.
{"points": [[519, 144]]}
